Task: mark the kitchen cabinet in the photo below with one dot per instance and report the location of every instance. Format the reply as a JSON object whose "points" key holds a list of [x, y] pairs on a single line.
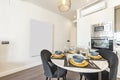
{"points": [[85, 23], [117, 36], [117, 19], [83, 33], [117, 50]]}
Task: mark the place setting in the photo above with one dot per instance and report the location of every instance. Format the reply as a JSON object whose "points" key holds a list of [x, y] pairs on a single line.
{"points": [[80, 61], [58, 55], [78, 58], [95, 56], [84, 59]]}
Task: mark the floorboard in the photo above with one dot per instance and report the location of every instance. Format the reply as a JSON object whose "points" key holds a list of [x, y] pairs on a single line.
{"points": [[37, 73]]}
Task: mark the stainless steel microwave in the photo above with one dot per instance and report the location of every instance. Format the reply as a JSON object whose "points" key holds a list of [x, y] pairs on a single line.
{"points": [[107, 27], [98, 28]]}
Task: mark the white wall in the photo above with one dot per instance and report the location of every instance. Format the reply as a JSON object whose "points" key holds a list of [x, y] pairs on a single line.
{"points": [[73, 35], [15, 26], [113, 3], [4, 4]]}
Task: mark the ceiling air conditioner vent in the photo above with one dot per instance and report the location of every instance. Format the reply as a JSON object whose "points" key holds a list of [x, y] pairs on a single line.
{"points": [[93, 8]]}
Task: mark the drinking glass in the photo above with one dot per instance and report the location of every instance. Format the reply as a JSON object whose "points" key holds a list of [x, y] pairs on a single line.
{"points": [[66, 57], [77, 50], [73, 49]]}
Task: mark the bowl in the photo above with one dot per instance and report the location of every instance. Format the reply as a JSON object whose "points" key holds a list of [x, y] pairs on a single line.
{"points": [[58, 52], [94, 53], [78, 59]]}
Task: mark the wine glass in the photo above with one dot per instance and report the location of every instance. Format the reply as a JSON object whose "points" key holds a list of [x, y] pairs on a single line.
{"points": [[66, 55], [74, 49]]}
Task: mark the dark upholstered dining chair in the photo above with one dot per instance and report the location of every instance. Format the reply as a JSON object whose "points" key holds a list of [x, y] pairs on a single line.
{"points": [[113, 66], [50, 69]]}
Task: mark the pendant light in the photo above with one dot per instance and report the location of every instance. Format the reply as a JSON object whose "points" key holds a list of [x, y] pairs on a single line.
{"points": [[64, 5]]}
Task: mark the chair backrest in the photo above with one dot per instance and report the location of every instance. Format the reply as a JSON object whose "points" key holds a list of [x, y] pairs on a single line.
{"points": [[112, 60], [45, 56]]}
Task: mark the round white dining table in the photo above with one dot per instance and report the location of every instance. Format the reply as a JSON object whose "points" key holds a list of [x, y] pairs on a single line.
{"points": [[102, 64]]}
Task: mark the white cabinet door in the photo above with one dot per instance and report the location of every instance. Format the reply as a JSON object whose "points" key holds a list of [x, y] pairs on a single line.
{"points": [[83, 33], [117, 20], [118, 53]]}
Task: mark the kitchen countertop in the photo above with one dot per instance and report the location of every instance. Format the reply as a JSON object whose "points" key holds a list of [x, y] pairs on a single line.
{"points": [[7, 68]]}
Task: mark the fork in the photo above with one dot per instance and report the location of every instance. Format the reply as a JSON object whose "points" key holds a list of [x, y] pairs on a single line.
{"points": [[92, 63]]}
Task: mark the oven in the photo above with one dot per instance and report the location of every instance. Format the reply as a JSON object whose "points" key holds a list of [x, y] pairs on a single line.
{"points": [[102, 43]]}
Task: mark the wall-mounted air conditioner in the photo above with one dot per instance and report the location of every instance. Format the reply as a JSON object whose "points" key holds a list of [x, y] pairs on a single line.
{"points": [[93, 8]]}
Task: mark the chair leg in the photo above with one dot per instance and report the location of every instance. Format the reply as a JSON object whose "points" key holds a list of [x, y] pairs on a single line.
{"points": [[80, 77], [49, 78], [64, 77], [57, 78], [46, 78]]}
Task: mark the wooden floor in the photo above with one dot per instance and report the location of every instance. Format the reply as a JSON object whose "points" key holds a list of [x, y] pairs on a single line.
{"points": [[36, 73]]}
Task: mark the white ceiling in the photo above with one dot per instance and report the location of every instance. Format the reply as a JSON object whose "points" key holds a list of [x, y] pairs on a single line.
{"points": [[52, 6]]}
